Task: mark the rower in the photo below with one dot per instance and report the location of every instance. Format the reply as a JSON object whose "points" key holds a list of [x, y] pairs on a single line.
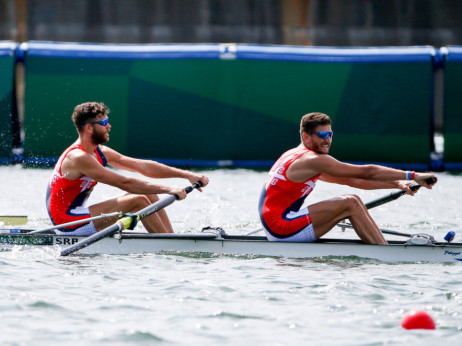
{"points": [[295, 174], [83, 164]]}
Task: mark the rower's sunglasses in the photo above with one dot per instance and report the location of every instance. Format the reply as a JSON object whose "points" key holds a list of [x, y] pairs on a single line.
{"points": [[322, 134], [103, 122]]}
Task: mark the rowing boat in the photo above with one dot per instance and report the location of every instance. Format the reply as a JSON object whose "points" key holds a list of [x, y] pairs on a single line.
{"points": [[216, 241], [113, 240]]}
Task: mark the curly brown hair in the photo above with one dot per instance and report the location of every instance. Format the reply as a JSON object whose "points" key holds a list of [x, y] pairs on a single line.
{"points": [[86, 111]]}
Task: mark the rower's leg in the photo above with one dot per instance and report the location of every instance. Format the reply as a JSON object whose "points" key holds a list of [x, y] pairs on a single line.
{"points": [[326, 214], [129, 203], [364, 224], [162, 214]]}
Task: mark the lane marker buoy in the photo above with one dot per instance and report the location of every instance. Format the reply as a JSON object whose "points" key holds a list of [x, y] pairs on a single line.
{"points": [[417, 319]]}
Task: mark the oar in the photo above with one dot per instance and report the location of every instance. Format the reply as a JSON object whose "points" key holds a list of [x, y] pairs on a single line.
{"points": [[13, 219], [416, 238], [395, 195], [386, 231], [78, 222], [127, 221]]}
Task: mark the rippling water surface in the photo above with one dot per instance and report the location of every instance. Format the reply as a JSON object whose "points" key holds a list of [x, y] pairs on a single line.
{"points": [[180, 298]]}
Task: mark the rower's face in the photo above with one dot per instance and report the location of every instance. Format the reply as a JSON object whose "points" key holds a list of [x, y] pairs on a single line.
{"points": [[315, 142], [100, 134]]}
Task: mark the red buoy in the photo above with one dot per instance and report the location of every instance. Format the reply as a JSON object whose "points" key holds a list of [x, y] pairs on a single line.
{"points": [[417, 319]]}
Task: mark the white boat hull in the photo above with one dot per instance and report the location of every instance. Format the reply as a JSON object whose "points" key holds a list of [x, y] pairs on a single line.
{"points": [[243, 245]]}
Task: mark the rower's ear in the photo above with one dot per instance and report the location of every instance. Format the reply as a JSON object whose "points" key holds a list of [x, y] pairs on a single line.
{"points": [[86, 127]]}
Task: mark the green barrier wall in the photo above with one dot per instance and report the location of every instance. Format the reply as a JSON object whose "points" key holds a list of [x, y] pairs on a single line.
{"points": [[6, 98], [452, 112], [55, 86], [236, 105]]}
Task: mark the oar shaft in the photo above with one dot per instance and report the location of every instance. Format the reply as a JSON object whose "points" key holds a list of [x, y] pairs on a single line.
{"points": [[151, 209], [395, 195], [386, 231], [78, 222], [92, 239], [13, 219], [385, 199]]}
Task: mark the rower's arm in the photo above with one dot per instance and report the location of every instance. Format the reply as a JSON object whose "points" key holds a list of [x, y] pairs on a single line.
{"points": [[149, 168], [89, 167], [365, 184], [326, 164]]}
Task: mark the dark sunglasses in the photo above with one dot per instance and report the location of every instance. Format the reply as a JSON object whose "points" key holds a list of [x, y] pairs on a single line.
{"points": [[103, 122], [322, 134]]}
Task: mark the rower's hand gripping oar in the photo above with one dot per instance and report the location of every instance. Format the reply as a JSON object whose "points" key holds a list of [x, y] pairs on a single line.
{"points": [[127, 222], [395, 195]]}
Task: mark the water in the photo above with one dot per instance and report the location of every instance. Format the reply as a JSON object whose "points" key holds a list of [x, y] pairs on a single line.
{"points": [[192, 299]]}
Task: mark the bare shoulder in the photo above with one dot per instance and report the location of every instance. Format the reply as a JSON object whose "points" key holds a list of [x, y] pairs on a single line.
{"points": [[73, 162], [313, 159], [309, 156], [304, 167], [311, 163], [88, 165], [79, 158]]}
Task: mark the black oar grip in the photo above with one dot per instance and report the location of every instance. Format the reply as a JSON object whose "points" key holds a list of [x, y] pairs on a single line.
{"points": [[188, 189], [414, 187], [196, 185], [429, 181]]}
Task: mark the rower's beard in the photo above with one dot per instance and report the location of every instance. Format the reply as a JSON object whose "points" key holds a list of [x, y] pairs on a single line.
{"points": [[320, 150], [98, 138]]}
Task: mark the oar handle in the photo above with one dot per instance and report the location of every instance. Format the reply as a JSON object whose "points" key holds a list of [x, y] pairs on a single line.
{"points": [[395, 195], [196, 185], [429, 181]]}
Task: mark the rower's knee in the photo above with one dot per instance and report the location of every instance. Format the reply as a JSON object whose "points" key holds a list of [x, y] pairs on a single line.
{"points": [[354, 203], [153, 198], [140, 201]]}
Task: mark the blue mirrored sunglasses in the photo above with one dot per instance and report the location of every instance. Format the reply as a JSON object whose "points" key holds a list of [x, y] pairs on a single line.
{"points": [[322, 134], [103, 122]]}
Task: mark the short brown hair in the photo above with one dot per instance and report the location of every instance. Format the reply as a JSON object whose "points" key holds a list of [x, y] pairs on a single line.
{"points": [[311, 120], [86, 111]]}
